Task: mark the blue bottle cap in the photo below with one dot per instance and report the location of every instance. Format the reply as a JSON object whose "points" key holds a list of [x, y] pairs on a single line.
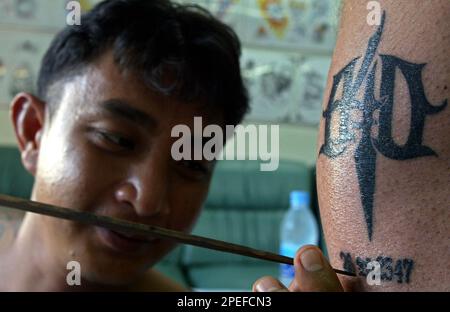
{"points": [[299, 198]]}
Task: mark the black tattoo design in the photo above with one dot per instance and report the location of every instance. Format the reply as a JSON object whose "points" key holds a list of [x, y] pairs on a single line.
{"points": [[399, 271], [368, 146], [348, 262]]}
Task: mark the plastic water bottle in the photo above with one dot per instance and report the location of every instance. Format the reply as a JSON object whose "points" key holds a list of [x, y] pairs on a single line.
{"points": [[298, 227]]}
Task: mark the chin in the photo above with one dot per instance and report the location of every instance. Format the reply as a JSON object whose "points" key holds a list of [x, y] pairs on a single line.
{"points": [[112, 272], [113, 279], [108, 260], [103, 266]]}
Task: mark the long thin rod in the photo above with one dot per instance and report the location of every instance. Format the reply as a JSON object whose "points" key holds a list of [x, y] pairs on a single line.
{"points": [[143, 229]]}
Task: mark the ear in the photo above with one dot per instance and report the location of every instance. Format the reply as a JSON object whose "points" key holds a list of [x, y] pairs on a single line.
{"points": [[27, 113]]}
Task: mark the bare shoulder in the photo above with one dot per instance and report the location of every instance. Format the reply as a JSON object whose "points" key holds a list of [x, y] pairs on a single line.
{"points": [[10, 221], [158, 282]]}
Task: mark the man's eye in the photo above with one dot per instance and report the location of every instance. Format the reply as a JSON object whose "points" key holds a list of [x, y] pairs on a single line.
{"points": [[117, 140]]}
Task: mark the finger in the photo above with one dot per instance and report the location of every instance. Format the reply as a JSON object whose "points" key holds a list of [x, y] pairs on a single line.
{"points": [[268, 284], [313, 272]]}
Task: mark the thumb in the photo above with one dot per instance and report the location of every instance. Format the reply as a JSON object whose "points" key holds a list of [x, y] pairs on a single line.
{"points": [[268, 284], [313, 272]]}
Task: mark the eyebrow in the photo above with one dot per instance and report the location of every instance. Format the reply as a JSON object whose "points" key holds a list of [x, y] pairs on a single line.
{"points": [[122, 109]]}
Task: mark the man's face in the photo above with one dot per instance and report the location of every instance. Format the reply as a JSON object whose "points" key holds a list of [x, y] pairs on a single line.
{"points": [[107, 150]]}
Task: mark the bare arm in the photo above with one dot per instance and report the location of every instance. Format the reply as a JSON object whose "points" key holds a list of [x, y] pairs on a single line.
{"points": [[384, 146]]}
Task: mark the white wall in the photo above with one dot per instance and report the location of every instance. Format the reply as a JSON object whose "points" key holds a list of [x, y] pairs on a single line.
{"points": [[6, 130], [298, 143]]}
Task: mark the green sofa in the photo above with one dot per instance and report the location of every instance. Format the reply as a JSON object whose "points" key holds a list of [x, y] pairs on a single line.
{"points": [[14, 179], [244, 206]]}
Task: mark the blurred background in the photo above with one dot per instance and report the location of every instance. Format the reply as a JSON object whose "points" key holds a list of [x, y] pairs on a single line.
{"points": [[287, 49]]}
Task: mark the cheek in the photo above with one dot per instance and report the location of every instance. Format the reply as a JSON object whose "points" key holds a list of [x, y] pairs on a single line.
{"points": [[186, 203], [70, 173], [58, 171]]}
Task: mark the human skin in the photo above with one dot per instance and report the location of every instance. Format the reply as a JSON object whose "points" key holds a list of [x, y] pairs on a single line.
{"points": [[405, 226], [383, 170], [88, 158]]}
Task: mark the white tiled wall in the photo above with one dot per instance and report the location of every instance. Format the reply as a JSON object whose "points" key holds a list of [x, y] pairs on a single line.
{"points": [[26, 29]]}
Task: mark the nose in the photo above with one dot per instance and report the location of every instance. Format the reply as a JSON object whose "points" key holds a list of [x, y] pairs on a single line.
{"points": [[146, 191]]}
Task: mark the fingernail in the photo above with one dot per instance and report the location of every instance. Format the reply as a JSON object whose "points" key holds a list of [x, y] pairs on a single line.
{"points": [[268, 285], [311, 260]]}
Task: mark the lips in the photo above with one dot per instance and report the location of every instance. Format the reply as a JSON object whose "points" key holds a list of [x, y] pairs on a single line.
{"points": [[135, 238], [123, 242]]}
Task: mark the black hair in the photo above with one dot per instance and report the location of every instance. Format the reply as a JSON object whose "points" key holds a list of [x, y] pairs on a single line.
{"points": [[152, 38]]}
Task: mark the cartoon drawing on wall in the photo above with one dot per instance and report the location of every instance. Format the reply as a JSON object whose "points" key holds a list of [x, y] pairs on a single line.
{"points": [[22, 79], [319, 32], [275, 15], [324, 15], [6, 8], [291, 24], [20, 55], [298, 10], [231, 12], [319, 8], [278, 23], [17, 9], [276, 82], [223, 8], [42, 15], [281, 88], [22, 75], [269, 79], [25, 8], [86, 5], [312, 78]]}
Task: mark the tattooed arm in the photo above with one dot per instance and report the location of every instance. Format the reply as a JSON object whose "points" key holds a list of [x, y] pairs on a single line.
{"points": [[383, 167], [384, 146]]}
